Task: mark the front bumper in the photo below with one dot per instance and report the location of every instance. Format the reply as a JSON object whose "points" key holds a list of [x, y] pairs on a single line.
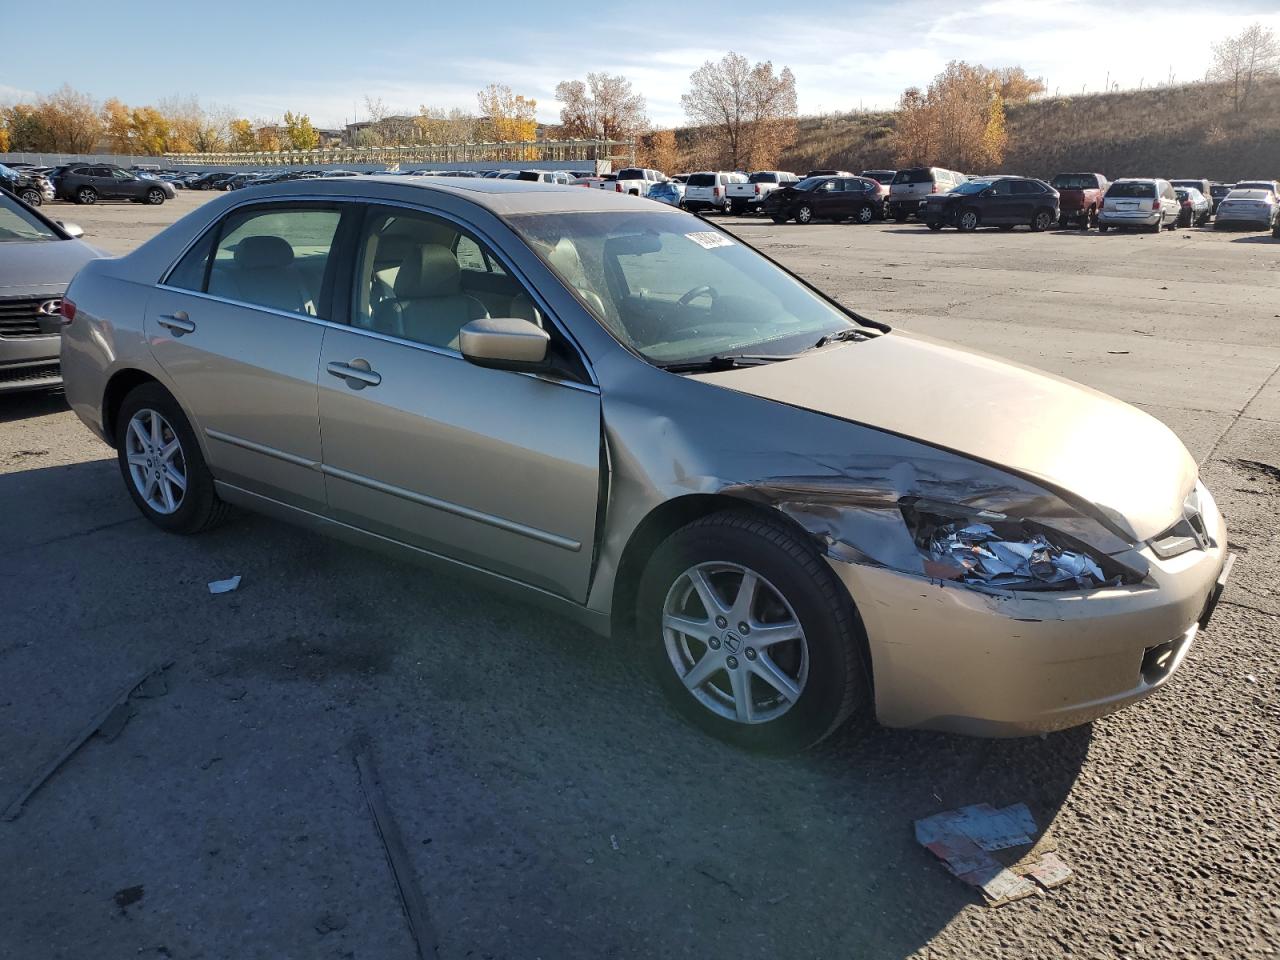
{"points": [[29, 363], [1012, 664]]}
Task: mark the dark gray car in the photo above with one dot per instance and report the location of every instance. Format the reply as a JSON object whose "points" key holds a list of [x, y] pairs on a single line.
{"points": [[89, 183], [38, 258]]}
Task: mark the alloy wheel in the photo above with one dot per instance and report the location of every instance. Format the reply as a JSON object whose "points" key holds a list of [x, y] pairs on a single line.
{"points": [[87, 195], [156, 461], [804, 215], [865, 214], [735, 642], [1042, 221], [968, 220]]}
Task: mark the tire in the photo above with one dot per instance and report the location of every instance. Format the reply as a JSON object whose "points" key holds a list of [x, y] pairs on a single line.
{"points": [[1158, 226], [1103, 228], [1063, 220], [155, 196], [866, 213], [824, 661], [968, 220], [197, 507], [1041, 220], [31, 197], [804, 214], [86, 195], [1275, 231], [934, 225]]}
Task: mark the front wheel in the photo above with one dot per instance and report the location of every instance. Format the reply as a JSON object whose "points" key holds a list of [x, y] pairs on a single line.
{"points": [[162, 465], [968, 221], [752, 637], [155, 196], [804, 214]]}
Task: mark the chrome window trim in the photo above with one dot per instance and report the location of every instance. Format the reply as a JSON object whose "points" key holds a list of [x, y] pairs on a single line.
{"points": [[494, 248]]}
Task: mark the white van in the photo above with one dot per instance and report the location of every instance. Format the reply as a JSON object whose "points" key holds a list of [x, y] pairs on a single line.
{"points": [[709, 190], [911, 186]]}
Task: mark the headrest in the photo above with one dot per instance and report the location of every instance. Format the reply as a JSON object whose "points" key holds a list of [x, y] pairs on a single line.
{"points": [[429, 271], [261, 253], [565, 258]]}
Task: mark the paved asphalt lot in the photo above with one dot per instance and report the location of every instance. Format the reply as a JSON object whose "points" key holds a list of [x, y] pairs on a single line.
{"points": [[551, 804]]}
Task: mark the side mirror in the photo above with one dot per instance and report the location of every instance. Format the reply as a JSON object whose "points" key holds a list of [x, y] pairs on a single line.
{"points": [[74, 230], [506, 343]]}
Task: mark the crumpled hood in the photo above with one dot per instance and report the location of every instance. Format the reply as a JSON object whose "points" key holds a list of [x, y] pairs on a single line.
{"points": [[42, 263], [1045, 427]]}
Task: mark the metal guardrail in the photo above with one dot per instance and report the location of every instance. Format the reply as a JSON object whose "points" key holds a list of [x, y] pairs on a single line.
{"points": [[599, 152]]}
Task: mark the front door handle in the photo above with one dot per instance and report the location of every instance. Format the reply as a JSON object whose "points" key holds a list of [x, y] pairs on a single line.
{"points": [[177, 322], [358, 374]]}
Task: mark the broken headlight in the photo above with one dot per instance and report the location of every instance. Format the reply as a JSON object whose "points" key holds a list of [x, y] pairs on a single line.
{"points": [[982, 547]]}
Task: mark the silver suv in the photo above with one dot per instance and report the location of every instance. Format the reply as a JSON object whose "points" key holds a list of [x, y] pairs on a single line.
{"points": [[910, 187], [1140, 202]]}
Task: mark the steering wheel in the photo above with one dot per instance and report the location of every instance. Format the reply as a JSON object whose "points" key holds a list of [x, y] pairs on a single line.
{"points": [[697, 292]]}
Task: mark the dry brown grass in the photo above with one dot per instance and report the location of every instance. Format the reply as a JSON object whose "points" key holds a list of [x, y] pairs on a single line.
{"points": [[1185, 131]]}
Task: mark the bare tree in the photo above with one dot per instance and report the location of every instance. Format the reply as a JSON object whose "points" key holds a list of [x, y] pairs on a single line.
{"points": [[604, 108], [750, 108], [1241, 61]]}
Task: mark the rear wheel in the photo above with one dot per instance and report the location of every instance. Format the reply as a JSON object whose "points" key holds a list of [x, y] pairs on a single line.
{"points": [[750, 634], [865, 214], [31, 197], [1063, 221], [162, 465], [1041, 221], [86, 195], [155, 196]]}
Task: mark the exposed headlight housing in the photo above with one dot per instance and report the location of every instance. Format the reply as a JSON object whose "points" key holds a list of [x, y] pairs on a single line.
{"points": [[985, 548]]}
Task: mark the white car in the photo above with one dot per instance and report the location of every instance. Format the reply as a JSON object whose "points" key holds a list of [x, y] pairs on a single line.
{"points": [[1140, 202], [709, 190], [636, 181], [1250, 208], [749, 196]]}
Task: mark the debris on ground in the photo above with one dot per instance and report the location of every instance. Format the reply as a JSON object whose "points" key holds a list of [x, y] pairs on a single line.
{"points": [[109, 722], [965, 839], [128, 896], [330, 923], [224, 586]]}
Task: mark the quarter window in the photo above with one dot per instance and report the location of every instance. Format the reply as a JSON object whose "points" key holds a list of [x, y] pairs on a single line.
{"points": [[274, 257]]}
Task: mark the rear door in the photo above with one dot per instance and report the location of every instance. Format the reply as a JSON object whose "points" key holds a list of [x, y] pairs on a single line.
{"points": [[235, 327], [496, 469]]}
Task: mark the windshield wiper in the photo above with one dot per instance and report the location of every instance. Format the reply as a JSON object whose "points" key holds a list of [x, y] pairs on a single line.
{"points": [[729, 361], [841, 336]]}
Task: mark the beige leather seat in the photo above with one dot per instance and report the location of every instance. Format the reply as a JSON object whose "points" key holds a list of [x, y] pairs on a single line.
{"points": [[263, 272], [429, 305]]}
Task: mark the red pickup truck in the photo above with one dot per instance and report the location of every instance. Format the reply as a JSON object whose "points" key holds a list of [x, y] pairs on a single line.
{"points": [[1079, 198]]}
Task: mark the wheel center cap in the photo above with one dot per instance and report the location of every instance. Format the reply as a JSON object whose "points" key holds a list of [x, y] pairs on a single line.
{"points": [[732, 642]]}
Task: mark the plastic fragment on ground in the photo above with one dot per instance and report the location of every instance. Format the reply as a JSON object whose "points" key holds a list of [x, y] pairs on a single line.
{"points": [[224, 586]]}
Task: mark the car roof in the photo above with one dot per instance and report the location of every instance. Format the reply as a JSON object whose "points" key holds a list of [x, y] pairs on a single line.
{"points": [[501, 197]]}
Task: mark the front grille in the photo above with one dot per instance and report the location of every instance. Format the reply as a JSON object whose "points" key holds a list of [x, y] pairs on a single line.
{"points": [[25, 374], [20, 317]]}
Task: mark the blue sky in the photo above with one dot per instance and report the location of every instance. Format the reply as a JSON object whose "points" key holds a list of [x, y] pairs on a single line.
{"points": [[324, 57]]}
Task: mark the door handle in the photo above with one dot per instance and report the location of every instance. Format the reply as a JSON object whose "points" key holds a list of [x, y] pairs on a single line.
{"points": [[357, 373], [177, 322]]}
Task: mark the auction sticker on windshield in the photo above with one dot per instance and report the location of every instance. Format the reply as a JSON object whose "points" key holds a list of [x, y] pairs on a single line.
{"points": [[710, 240]]}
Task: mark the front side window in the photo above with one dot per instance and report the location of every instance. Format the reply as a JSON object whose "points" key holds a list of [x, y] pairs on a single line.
{"points": [[272, 257], [674, 290], [122, 174]]}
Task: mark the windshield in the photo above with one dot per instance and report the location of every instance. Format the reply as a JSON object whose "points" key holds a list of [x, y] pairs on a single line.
{"points": [[630, 174], [1074, 181], [674, 290], [17, 223], [971, 187], [1140, 190]]}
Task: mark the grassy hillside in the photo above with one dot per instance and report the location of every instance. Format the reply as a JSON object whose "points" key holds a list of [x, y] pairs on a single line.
{"points": [[1184, 131]]}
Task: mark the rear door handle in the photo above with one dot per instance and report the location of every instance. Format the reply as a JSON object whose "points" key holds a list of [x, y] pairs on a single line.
{"points": [[357, 373], [177, 322]]}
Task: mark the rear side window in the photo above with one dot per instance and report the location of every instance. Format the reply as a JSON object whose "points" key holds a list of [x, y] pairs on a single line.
{"points": [[917, 175], [702, 180], [1140, 191], [1026, 187], [274, 257]]}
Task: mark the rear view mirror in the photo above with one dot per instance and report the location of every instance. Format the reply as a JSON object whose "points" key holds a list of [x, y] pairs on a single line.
{"points": [[73, 230], [507, 343]]}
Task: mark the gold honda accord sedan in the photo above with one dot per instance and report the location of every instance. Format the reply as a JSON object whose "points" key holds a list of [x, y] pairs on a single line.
{"points": [[791, 512]]}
